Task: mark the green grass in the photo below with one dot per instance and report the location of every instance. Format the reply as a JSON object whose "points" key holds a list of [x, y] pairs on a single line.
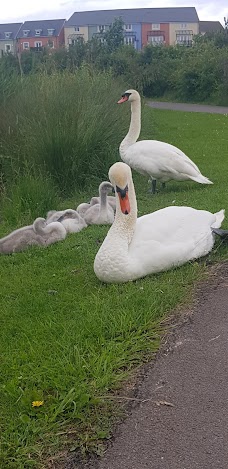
{"points": [[66, 339]]}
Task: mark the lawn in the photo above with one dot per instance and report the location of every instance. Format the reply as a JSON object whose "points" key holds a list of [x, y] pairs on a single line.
{"points": [[66, 339]]}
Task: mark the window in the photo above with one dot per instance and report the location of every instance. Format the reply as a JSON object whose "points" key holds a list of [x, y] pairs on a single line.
{"points": [[128, 27], [184, 39], [38, 44], [8, 35], [77, 29], [101, 28], [38, 32], [155, 26], [156, 40], [50, 32], [51, 44], [183, 25], [7, 48], [26, 32], [129, 40], [25, 45]]}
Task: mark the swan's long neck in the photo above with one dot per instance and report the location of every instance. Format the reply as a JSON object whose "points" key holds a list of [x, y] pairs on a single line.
{"points": [[41, 228], [103, 202], [134, 129], [124, 225]]}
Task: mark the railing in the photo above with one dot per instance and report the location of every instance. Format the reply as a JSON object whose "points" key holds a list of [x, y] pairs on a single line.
{"points": [[156, 33], [186, 42], [75, 35], [188, 32], [36, 49]]}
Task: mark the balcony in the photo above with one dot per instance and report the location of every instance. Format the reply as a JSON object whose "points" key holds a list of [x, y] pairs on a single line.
{"points": [[186, 43], [184, 37], [74, 37], [130, 34], [156, 33], [36, 49]]}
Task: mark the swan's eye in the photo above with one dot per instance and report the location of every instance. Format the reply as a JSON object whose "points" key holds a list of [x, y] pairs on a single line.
{"points": [[126, 96], [122, 192]]}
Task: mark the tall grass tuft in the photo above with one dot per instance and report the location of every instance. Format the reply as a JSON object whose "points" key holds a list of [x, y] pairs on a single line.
{"points": [[66, 125], [28, 197]]}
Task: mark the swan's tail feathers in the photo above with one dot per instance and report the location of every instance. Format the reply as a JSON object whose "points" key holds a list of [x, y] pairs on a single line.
{"points": [[222, 233], [219, 219], [201, 179]]}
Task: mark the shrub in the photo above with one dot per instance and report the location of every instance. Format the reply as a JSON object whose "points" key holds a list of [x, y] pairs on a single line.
{"points": [[66, 125], [28, 197]]}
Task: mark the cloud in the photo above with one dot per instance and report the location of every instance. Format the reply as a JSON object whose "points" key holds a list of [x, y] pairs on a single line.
{"points": [[25, 9]]}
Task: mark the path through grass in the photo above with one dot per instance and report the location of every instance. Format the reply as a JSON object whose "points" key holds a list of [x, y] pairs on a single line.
{"points": [[66, 339]]}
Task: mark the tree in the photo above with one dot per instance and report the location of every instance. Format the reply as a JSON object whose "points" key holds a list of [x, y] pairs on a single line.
{"points": [[114, 37]]}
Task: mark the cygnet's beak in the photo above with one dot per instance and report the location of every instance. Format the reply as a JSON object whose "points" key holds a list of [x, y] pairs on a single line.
{"points": [[60, 219], [124, 200]]}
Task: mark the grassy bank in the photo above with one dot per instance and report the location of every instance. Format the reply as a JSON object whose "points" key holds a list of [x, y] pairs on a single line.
{"points": [[66, 339]]}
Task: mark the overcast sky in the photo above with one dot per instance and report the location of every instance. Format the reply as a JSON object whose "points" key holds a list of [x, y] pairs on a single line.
{"points": [[21, 10]]}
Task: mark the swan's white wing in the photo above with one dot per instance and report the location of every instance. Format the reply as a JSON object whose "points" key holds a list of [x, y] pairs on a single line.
{"points": [[154, 157], [172, 224], [170, 236]]}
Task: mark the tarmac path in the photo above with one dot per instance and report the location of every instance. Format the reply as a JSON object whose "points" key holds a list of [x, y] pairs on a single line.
{"points": [[191, 373], [188, 108]]}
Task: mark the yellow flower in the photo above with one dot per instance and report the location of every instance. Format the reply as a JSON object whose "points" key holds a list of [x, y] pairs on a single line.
{"points": [[37, 403]]}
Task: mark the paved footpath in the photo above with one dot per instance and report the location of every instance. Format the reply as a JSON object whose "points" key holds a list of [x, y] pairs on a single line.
{"points": [[188, 108], [191, 372]]}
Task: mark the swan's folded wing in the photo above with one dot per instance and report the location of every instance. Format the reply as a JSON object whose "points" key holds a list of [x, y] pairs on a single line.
{"points": [[173, 224]]}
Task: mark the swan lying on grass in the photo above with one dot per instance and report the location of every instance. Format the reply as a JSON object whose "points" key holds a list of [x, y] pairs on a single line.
{"points": [[83, 207], [101, 213], [136, 247], [39, 234], [159, 160], [72, 221], [110, 199]]}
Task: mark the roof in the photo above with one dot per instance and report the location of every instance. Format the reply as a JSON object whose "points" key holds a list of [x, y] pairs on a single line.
{"points": [[136, 15], [44, 25], [210, 26], [9, 28]]}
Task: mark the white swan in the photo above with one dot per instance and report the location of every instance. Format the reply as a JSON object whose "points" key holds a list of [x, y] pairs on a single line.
{"points": [[72, 221], [36, 234], [82, 208], [54, 215], [101, 213], [51, 233], [110, 198], [159, 160], [134, 248]]}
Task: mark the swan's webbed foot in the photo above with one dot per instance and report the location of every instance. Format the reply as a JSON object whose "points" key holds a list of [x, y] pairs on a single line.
{"points": [[222, 233], [153, 186]]}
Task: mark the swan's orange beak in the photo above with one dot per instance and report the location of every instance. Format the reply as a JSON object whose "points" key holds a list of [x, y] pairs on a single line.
{"points": [[122, 100], [124, 200]]}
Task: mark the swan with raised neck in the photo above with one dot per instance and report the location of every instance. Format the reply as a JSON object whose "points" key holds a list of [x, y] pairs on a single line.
{"points": [[136, 247], [101, 213], [158, 160]]}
